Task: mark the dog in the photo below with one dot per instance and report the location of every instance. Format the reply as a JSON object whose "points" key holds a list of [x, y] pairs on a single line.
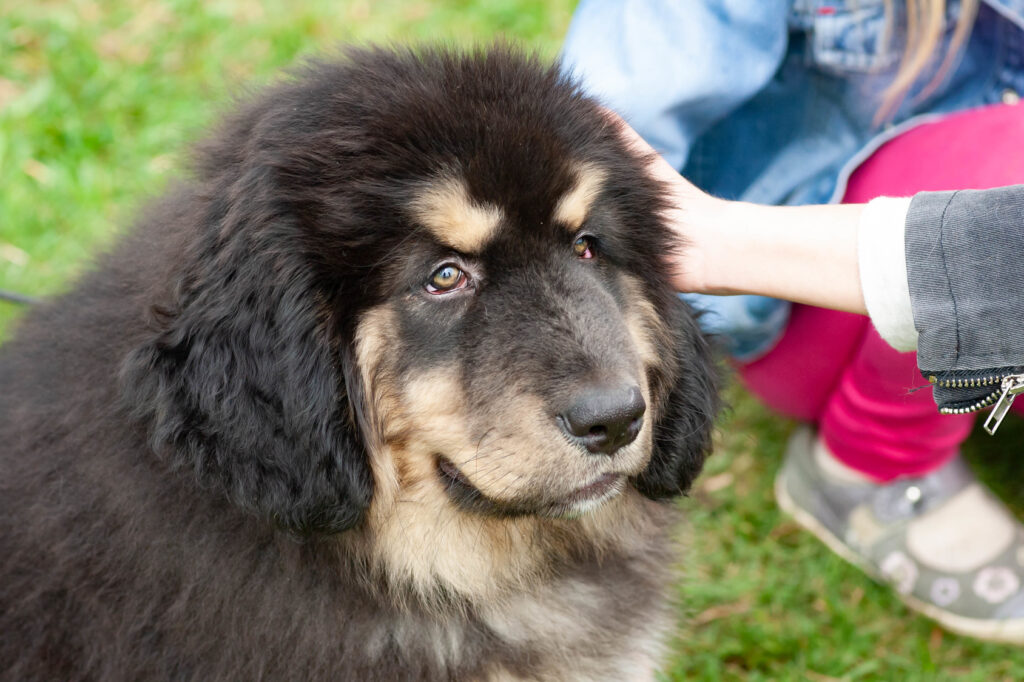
{"points": [[394, 387]]}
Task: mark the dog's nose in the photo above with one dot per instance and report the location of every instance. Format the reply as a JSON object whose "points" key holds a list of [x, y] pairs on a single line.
{"points": [[604, 419]]}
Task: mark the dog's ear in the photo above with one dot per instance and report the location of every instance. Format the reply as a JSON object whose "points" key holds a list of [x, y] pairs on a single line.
{"points": [[682, 435], [249, 379]]}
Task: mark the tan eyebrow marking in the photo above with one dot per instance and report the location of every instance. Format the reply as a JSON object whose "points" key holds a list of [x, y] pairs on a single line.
{"points": [[445, 208], [573, 207]]}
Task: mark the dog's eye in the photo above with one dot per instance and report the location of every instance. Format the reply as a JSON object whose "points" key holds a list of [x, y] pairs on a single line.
{"points": [[447, 278], [584, 247]]}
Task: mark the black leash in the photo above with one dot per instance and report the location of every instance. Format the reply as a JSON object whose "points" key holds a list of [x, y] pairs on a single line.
{"points": [[14, 297]]}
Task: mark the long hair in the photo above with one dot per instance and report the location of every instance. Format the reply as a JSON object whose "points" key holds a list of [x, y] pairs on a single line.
{"points": [[924, 27]]}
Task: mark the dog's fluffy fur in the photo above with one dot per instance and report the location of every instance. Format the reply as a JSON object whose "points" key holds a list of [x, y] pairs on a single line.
{"points": [[264, 439]]}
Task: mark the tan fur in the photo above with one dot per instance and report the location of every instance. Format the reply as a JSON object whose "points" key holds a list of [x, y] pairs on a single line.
{"points": [[445, 208], [549, 618], [648, 333], [644, 324], [375, 327], [574, 206], [418, 536]]}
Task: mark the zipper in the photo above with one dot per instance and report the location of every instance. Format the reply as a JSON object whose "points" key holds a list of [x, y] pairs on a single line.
{"points": [[1012, 387], [1005, 391]]}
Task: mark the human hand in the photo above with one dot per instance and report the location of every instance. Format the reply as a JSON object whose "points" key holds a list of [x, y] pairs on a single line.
{"points": [[692, 215], [806, 254]]}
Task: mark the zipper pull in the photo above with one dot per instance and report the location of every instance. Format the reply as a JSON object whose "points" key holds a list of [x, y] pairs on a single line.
{"points": [[1012, 386]]}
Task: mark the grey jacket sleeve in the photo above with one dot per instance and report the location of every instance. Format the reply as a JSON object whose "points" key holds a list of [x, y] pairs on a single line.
{"points": [[965, 269], [965, 266]]}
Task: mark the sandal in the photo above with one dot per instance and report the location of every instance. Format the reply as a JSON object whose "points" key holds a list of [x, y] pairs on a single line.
{"points": [[951, 550]]}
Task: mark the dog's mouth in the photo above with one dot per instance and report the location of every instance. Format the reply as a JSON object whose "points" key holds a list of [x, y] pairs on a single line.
{"points": [[470, 498]]}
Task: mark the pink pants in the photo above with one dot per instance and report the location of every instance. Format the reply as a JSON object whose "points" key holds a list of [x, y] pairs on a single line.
{"points": [[874, 410]]}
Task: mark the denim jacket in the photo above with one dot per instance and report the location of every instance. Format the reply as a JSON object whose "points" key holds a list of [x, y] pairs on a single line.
{"points": [[773, 101]]}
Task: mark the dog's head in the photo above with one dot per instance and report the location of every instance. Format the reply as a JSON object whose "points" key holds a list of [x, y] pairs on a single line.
{"points": [[434, 274]]}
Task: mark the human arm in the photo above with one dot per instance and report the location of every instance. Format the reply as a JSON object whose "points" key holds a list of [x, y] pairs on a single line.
{"points": [[778, 251], [731, 247], [943, 271]]}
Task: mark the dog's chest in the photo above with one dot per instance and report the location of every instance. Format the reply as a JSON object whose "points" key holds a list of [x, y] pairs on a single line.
{"points": [[586, 630], [592, 627]]}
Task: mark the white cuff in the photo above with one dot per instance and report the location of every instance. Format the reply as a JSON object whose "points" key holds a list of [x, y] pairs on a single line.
{"points": [[883, 271]]}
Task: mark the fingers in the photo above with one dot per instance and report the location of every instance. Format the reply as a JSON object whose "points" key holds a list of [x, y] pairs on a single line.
{"points": [[692, 215], [658, 167]]}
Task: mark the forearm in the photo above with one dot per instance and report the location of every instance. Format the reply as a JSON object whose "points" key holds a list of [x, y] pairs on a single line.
{"points": [[806, 254]]}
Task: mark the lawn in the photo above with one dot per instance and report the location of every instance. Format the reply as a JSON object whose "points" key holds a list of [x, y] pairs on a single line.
{"points": [[98, 101]]}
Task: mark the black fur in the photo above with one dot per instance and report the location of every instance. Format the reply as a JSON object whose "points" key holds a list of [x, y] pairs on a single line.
{"points": [[183, 436]]}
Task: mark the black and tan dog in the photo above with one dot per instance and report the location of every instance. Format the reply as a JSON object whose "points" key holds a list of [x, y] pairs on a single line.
{"points": [[395, 388]]}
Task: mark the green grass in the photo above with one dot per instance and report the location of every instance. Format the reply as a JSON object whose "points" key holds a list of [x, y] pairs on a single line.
{"points": [[99, 98], [764, 600], [98, 101]]}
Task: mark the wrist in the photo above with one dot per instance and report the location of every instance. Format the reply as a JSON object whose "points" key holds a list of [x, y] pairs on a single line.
{"points": [[703, 223], [724, 248]]}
